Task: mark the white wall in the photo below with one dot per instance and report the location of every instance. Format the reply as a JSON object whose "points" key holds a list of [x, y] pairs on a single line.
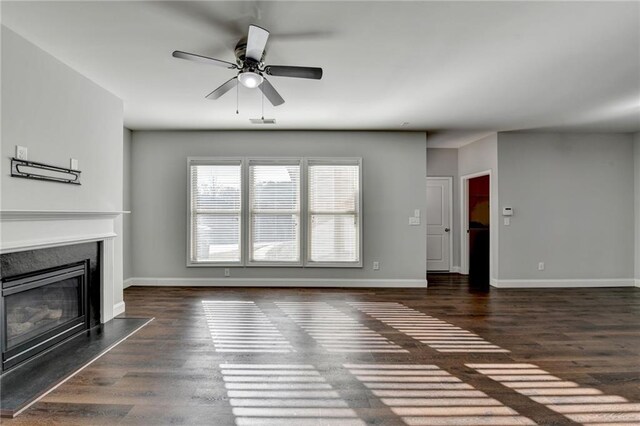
{"points": [[394, 170], [126, 204], [636, 181], [477, 157], [443, 162], [59, 114], [572, 196]]}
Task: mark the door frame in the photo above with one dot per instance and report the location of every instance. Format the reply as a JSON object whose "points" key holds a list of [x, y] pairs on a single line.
{"points": [[451, 224], [464, 221]]}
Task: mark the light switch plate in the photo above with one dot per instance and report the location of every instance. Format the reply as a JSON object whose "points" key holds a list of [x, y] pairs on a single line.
{"points": [[416, 213], [73, 164], [21, 152]]}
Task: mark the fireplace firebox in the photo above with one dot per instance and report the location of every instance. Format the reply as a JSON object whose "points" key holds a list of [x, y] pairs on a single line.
{"points": [[40, 309]]}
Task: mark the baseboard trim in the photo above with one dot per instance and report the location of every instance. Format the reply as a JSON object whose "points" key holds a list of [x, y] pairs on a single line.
{"points": [[127, 283], [564, 283], [118, 308], [277, 282], [638, 282], [455, 269]]}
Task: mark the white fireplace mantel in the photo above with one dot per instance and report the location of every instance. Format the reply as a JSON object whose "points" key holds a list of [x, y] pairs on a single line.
{"points": [[22, 230]]}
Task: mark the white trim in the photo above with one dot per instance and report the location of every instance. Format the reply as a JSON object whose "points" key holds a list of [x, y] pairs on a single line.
{"points": [[455, 269], [426, 224], [53, 242], [12, 215], [127, 283], [118, 308], [564, 283], [637, 282], [278, 282], [91, 361], [464, 221]]}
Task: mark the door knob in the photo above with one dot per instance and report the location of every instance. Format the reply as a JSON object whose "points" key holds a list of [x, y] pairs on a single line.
{"points": [[446, 229]]}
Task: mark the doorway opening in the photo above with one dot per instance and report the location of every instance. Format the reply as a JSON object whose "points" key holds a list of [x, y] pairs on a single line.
{"points": [[476, 221]]}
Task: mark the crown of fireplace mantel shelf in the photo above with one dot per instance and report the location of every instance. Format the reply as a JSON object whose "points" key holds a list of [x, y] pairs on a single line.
{"points": [[19, 215]]}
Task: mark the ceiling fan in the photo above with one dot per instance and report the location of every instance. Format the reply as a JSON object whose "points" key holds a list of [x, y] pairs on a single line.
{"points": [[250, 54]]}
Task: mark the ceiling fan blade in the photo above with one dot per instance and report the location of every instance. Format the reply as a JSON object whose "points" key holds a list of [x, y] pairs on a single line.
{"points": [[298, 72], [204, 59], [256, 42], [271, 93], [230, 84]]}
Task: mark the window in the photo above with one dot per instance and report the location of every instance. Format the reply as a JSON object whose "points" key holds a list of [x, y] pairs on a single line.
{"points": [[216, 212], [334, 212], [274, 210]]}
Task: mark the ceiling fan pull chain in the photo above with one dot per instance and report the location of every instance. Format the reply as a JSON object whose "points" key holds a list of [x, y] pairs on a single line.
{"points": [[262, 106], [237, 99]]}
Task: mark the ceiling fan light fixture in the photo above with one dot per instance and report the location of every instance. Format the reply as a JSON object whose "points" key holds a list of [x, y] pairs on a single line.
{"points": [[250, 79]]}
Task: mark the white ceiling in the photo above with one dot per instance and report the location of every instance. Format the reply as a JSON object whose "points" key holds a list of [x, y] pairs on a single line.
{"points": [[459, 66]]}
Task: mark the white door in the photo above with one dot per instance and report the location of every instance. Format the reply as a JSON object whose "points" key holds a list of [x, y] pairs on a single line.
{"points": [[439, 198]]}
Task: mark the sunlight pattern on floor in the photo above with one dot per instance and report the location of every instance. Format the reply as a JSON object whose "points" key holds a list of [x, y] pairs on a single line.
{"points": [[284, 394], [335, 330], [584, 405], [240, 326], [427, 395], [437, 334]]}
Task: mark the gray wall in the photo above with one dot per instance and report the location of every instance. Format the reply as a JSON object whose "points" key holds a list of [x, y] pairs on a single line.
{"points": [[572, 196], [444, 162], [481, 156], [394, 170], [636, 180], [126, 204], [58, 114]]}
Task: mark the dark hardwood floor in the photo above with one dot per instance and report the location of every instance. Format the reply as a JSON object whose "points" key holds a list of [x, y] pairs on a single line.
{"points": [[445, 355]]}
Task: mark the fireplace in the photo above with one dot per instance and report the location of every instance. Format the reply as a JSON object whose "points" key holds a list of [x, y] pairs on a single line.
{"points": [[46, 297], [42, 309]]}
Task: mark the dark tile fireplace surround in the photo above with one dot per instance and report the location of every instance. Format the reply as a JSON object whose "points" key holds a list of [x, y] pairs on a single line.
{"points": [[48, 295]]}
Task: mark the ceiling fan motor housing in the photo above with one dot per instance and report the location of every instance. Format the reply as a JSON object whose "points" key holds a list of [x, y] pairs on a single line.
{"points": [[245, 63]]}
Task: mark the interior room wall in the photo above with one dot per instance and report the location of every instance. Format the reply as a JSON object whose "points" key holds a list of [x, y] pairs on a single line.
{"points": [[59, 114], [443, 162], [126, 206], [572, 196], [394, 170], [476, 157], [636, 180]]}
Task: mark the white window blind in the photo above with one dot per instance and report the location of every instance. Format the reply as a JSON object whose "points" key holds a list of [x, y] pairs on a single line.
{"points": [[334, 212], [274, 210], [216, 212]]}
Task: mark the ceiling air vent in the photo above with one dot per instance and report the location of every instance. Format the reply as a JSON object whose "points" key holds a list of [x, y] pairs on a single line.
{"points": [[262, 120]]}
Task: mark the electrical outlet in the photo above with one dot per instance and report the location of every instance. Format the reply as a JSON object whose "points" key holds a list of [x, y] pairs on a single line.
{"points": [[376, 266], [413, 221], [21, 152], [227, 272], [541, 266]]}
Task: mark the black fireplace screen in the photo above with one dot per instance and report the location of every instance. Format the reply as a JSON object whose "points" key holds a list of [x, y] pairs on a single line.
{"points": [[42, 309]]}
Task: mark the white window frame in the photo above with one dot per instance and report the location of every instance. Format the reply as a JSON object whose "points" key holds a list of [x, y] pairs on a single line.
{"points": [[247, 216], [347, 161], [191, 161]]}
